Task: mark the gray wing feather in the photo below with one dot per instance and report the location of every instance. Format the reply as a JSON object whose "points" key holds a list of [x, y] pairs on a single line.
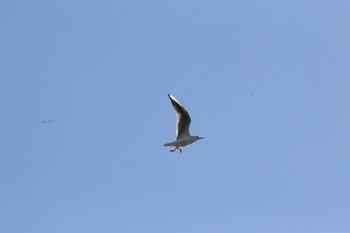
{"points": [[183, 118]]}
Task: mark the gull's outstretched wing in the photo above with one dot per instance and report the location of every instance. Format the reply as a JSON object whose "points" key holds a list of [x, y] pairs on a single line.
{"points": [[183, 118]]}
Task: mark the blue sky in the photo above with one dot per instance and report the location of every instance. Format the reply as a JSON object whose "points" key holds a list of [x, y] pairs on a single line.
{"points": [[85, 114]]}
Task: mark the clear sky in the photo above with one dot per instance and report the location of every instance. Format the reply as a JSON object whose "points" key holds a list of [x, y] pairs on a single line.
{"points": [[85, 114]]}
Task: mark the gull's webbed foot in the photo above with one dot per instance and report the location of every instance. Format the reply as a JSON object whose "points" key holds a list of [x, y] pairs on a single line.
{"points": [[176, 148]]}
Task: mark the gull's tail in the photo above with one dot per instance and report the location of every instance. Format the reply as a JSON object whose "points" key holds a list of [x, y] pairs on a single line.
{"points": [[169, 144]]}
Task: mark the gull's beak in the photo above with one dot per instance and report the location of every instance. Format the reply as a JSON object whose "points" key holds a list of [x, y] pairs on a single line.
{"points": [[200, 137]]}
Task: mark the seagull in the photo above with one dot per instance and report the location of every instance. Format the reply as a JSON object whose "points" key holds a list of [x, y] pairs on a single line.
{"points": [[183, 137]]}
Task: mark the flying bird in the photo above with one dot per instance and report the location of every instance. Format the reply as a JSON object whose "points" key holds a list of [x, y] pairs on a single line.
{"points": [[183, 137], [47, 121]]}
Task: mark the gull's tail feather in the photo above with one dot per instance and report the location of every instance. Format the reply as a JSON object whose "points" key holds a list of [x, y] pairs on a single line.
{"points": [[169, 144]]}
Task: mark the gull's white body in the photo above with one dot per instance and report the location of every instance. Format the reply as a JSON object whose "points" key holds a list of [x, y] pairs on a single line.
{"points": [[183, 142], [183, 137]]}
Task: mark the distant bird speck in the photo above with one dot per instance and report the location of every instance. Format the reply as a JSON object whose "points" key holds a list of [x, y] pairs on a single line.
{"points": [[47, 121]]}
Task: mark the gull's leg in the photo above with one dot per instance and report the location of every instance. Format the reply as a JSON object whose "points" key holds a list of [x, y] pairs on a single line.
{"points": [[176, 148]]}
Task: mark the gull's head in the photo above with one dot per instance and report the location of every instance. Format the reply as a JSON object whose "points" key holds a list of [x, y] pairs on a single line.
{"points": [[197, 137]]}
